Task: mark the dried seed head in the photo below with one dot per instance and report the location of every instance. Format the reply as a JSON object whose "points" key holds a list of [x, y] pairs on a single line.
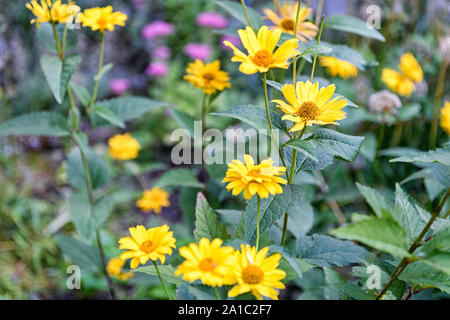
{"points": [[384, 101]]}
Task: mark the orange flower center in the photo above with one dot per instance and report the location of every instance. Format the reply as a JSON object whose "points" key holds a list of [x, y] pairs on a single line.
{"points": [[252, 275], [288, 24], [208, 76], [102, 21], [263, 58], [308, 111], [207, 264], [147, 246], [255, 172]]}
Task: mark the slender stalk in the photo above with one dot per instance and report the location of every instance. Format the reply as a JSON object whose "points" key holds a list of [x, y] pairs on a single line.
{"points": [[294, 71], [403, 264], [217, 293], [63, 49], [100, 67], [162, 281], [204, 110], [437, 104], [319, 11], [257, 222], [244, 7], [58, 45], [102, 254], [318, 42]]}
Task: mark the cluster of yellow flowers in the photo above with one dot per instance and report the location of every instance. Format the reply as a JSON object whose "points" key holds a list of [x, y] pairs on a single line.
{"points": [[403, 82], [247, 270], [100, 19]]}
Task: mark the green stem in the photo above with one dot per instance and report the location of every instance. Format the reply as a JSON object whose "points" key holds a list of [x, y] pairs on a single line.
{"points": [[63, 49], [318, 42], [294, 72], [204, 110], [58, 45], [102, 255], [402, 265], [257, 223], [217, 293], [319, 11], [100, 67], [162, 281], [437, 104], [244, 7]]}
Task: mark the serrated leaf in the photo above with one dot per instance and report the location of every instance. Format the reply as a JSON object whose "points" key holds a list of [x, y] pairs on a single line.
{"points": [[272, 208], [379, 204], [380, 233], [108, 115], [206, 222], [235, 9], [306, 147], [254, 116], [353, 25], [437, 251], [98, 169], [130, 107], [288, 256], [179, 178], [81, 93], [35, 124], [85, 256], [325, 251], [433, 156], [301, 219], [167, 273], [345, 53], [419, 273]]}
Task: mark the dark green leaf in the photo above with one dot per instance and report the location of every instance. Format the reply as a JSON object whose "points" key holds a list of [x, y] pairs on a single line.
{"points": [[206, 222], [35, 124], [353, 25]]}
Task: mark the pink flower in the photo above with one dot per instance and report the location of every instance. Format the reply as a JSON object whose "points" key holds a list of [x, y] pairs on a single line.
{"points": [[211, 19], [197, 51], [161, 52], [234, 40], [157, 69], [157, 29], [119, 86]]}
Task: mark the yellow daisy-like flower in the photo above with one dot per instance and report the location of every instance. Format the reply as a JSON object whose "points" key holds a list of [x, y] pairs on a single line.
{"points": [[260, 179], [147, 244], [403, 82], [123, 147], [114, 269], [60, 13], [307, 105], [208, 76], [336, 67], [208, 262], [445, 117], [285, 20], [102, 19], [261, 56], [153, 199], [256, 273]]}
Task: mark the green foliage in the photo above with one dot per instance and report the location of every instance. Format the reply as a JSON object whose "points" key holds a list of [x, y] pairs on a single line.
{"points": [[85, 256], [128, 108], [108, 115], [166, 271], [36, 124], [206, 222], [182, 119], [353, 25], [178, 178], [235, 9], [345, 53]]}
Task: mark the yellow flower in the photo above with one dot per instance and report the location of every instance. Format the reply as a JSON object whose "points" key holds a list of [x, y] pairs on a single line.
{"points": [[397, 82], [153, 199], [114, 269], [208, 77], [209, 262], [336, 67], [307, 105], [102, 19], [410, 67], [145, 244], [61, 13], [445, 117], [261, 179], [403, 82], [123, 147], [256, 273], [285, 20], [261, 56]]}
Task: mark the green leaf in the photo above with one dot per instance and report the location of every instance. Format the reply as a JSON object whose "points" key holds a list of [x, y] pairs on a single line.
{"points": [[301, 219], [81, 93], [47, 41], [167, 273], [129, 107], [420, 273], [288, 256], [108, 115], [85, 256], [437, 251], [186, 291], [353, 25], [100, 174], [407, 215], [306, 147], [179, 178], [379, 204], [88, 218], [235, 9], [341, 145], [36, 124], [345, 53], [325, 251], [183, 120], [254, 116], [272, 208], [206, 222], [105, 70], [382, 234], [433, 156], [58, 73]]}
